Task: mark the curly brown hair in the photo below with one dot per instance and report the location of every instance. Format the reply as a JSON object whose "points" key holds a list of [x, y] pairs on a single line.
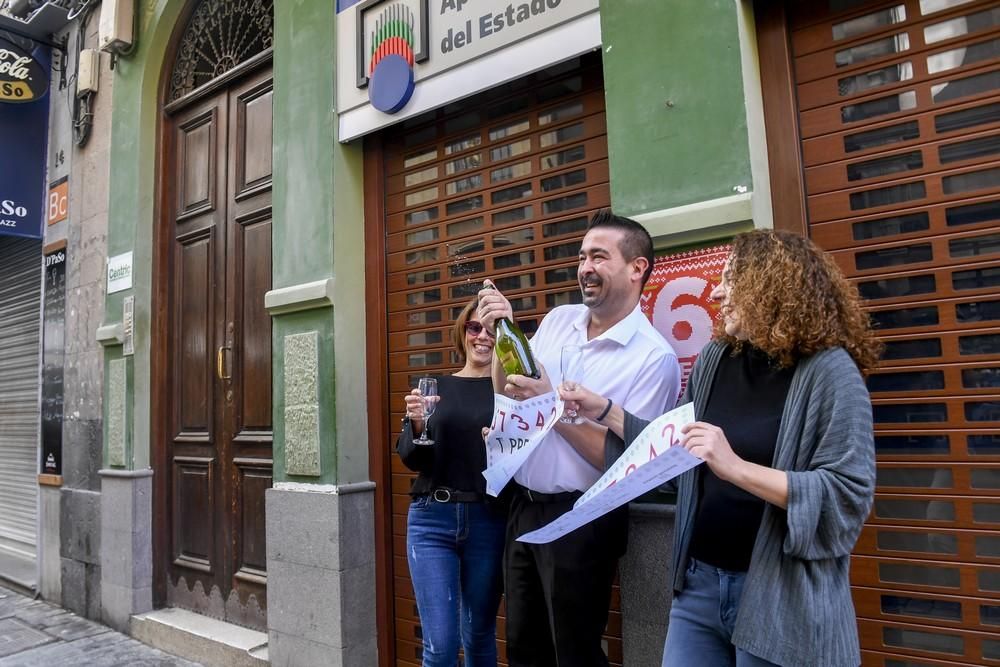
{"points": [[793, 301]]}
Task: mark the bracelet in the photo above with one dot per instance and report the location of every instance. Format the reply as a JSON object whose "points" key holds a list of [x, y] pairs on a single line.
{"points": [[604, 414]]}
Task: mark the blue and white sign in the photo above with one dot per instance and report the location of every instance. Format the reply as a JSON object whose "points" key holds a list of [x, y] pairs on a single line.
{"points": [[24, 132]]}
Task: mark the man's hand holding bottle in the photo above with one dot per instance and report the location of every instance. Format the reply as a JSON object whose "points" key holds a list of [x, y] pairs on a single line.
{"points": [[492, 306], [520, 387], [525, 376]]}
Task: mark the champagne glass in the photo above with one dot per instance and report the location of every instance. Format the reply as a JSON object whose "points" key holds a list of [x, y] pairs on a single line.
{"points": [[571, 365], [429, 393]]}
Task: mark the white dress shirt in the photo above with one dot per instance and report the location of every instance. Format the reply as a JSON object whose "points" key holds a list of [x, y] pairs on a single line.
{"points": [[630, 363]]}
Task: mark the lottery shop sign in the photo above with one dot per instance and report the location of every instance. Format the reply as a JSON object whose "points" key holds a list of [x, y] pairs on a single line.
{"points": [[400, 58], [676, 300]]}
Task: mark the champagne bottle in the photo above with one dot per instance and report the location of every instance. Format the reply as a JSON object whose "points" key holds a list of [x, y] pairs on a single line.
{"points": [[512, 347]]}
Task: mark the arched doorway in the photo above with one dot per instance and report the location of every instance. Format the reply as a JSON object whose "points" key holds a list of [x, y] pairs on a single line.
{"points": [[213, 448]]}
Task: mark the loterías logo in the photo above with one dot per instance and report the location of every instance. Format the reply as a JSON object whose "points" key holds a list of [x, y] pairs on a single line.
{"points": [[392, 38]]}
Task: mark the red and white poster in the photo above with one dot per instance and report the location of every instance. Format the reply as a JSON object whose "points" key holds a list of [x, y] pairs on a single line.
{"points": [[676, 300]]}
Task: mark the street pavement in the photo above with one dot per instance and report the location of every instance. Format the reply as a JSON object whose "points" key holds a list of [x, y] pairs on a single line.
{"points": [[35, 633]]}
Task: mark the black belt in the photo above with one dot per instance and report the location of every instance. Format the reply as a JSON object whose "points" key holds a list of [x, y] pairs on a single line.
{"points": [[537, 497], [443, 495]]}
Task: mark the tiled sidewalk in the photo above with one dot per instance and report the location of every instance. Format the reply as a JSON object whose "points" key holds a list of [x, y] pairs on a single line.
{"points": [[35, 633]]}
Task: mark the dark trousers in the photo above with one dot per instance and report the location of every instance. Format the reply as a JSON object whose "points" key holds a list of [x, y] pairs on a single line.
{"points": [[557, 594]]}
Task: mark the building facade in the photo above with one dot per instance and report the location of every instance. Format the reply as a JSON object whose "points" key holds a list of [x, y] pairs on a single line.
{"points": [[52, 457], [24, 91], [302, 194]]}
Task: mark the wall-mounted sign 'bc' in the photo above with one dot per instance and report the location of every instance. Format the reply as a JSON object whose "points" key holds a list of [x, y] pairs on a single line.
{"points": [[392, 37], [22, 78]]}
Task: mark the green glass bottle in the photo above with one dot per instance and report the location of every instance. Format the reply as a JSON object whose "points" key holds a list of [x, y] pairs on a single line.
{"points": [[512, 347]]}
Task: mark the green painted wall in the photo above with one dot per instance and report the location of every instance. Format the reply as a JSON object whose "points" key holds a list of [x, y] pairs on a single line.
{"points": [[132, 192], [685, 53], [319, 234], [303, 140]]}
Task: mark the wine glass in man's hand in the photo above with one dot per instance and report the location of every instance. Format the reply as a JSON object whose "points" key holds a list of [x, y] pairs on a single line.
{"points": [[571, 364]]}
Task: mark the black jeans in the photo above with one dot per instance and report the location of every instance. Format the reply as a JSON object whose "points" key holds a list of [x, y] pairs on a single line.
{"points": [[557, 594]]}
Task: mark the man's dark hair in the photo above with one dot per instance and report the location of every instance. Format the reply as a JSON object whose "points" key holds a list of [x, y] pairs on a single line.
{"points": [[635, 242]]}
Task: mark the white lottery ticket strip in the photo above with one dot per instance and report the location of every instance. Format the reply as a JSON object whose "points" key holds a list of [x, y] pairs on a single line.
{"points": [[654, 458], [518, 427]]}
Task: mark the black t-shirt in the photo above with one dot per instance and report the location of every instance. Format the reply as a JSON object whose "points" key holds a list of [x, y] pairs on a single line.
{"points": [[457, 458], [746, 401]]}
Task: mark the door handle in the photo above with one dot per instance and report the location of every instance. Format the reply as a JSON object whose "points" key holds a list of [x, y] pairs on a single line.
{"points": [[220, 362]]}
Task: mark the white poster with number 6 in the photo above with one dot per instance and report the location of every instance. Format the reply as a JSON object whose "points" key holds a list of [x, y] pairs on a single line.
{"points": [[517, 429]]}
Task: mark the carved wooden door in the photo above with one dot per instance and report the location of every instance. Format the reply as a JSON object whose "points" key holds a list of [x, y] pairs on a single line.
{"points": [[219, 369]]}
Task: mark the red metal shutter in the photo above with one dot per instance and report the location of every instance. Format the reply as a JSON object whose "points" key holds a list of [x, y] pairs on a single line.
{"points": [[499, 186], [899, 108]]}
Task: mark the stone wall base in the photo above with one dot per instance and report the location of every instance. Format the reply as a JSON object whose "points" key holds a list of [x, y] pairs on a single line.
{"points": [[645, 578], [126, 545], [50, 570], [321, 575]]}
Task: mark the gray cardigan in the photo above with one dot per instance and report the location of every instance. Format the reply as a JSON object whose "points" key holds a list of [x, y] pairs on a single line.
{"points": [[796, 607]]}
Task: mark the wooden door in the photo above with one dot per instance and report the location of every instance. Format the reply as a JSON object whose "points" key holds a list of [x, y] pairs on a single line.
{"points": [[501, 186], [899, 120], [219, 351]]}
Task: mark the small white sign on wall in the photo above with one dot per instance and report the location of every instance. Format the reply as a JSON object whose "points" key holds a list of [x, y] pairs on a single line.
{"points": [[119, 272]]}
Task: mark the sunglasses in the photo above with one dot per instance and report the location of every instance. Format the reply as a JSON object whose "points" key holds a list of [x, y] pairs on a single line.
{"points": [[475, 328]]}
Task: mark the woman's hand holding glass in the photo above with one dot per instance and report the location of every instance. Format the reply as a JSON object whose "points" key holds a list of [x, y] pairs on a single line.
{"points": [[420, 404]]}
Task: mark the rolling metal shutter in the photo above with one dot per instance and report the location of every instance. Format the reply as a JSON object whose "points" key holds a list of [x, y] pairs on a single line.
{"points": [[500, 186], [899, 109], [20, 336]]}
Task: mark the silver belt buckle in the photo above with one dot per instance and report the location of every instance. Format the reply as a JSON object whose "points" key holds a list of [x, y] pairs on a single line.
{"points": [[530, 497], [442, 495]]}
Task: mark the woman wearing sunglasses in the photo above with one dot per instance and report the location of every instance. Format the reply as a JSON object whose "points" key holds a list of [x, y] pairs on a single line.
{"points": [[454, 537]]}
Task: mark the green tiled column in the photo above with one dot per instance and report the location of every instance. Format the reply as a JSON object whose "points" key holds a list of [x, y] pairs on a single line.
{"points": [[320, 513]]}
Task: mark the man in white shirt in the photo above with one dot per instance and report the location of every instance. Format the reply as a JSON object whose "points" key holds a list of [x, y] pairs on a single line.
{"points": [[557, 594]]}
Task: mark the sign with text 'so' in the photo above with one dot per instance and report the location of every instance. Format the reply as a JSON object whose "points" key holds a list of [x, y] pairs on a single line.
{"points": [[24, 131], [22, 77]]}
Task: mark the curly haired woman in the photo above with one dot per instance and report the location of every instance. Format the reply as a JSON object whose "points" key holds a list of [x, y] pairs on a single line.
{"points": [[765, 529]]}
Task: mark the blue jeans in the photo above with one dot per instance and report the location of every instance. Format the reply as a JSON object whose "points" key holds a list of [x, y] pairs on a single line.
{"points": [[455, 551], [702, 617]]}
